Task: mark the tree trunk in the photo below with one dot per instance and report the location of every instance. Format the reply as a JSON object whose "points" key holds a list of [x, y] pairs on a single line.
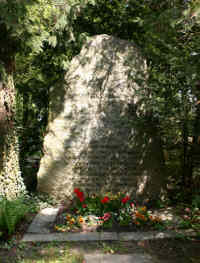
{"points": [[11, 183], [195, 149], [195, 152]]}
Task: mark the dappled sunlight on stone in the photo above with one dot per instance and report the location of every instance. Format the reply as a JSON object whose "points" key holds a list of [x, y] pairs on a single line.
{"points": [[166, 214], [101, 140], [141, 184]]}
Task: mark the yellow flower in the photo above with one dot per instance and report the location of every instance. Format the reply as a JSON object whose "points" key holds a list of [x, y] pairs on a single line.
{"points": [[140, 216], [137, 214], [59, 228], [143, 209], [72, 221], [68, 217], [81, 220]]}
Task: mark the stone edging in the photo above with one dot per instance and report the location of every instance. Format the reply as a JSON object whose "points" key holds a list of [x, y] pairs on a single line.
{"points": [[39, 232]]}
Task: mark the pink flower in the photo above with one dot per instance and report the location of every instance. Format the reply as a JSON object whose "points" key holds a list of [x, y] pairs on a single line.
{"points": [[106, 216], [187, 209], [105, 200], [125, 199]]}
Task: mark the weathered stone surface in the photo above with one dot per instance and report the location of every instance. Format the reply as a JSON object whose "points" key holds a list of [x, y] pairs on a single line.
{"points": [[30, 237], [108, 236], [96, 236], [99, 135], [42, 221], [129, 258]]}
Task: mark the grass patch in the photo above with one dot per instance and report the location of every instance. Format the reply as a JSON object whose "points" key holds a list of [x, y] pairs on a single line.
{"points": [[52, 252]]}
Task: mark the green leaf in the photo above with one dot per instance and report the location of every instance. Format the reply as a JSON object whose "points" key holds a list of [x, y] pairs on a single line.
{"points": [[52, 41]]}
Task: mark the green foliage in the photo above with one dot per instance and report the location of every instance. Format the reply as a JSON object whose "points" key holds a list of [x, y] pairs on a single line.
{"points": [[125, 215], [196, 202], [11, 212], [37, 70], [45, 35], [98, 204], [106, 212], [37, 202]]}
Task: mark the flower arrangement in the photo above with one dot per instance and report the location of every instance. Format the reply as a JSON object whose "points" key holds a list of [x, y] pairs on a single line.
{"points": [[105, 212]]}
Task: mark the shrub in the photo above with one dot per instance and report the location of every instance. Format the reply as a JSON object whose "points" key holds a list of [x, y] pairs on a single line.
{"points": [[105, 212], [11, 212]]}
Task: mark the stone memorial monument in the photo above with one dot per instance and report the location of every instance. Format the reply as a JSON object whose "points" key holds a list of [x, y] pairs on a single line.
{"points": [[99, 136]]}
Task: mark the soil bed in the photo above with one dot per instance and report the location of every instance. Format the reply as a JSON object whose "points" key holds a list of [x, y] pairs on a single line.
{"points": [[115, 227], [61, 220], [174, 250], [169, 219]]}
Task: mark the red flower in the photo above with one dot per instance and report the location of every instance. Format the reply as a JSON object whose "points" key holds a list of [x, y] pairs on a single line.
{"points": [[81, 199], [105, 200], [79, 194], [84, 205], [125, 199], [76, 190]]}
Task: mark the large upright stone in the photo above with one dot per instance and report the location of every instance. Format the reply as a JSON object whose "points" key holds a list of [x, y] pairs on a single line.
{"points": [[99, 137]]}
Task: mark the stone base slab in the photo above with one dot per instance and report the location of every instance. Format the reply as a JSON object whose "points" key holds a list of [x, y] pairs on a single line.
{"points": [[38, 232], [129, 258]]}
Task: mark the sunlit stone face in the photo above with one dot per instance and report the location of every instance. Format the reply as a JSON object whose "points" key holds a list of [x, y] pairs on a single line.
{"points": [[99, 138]]}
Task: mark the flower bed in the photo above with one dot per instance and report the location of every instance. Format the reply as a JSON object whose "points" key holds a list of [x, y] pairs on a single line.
{"points": [[110, 212]]}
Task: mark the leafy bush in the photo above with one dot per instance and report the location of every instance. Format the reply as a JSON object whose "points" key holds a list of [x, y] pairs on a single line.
{"points": [[196, 201], [105, 212], [11, 212]]}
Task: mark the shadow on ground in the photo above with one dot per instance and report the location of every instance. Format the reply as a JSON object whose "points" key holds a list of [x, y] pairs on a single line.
{"points": [[162, 251]]}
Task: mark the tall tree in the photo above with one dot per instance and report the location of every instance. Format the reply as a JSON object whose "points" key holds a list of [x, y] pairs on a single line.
{"points": [[28, 28], [21, 29]]}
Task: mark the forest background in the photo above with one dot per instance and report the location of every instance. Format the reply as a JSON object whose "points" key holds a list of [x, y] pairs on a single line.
{"points": [[39, 38]]}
